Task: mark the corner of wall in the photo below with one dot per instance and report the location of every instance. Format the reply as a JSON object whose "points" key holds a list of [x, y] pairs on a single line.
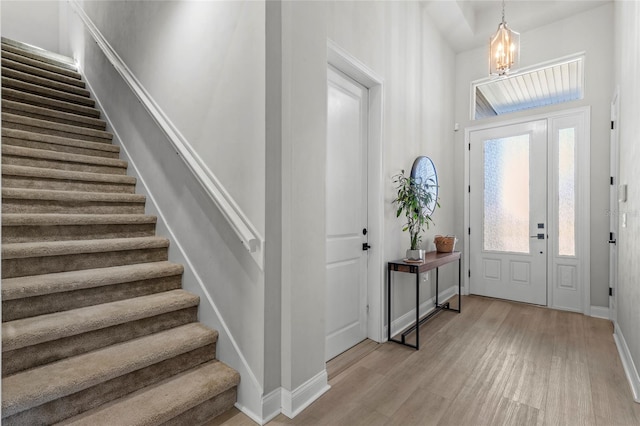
{"points": [[293, 402]]}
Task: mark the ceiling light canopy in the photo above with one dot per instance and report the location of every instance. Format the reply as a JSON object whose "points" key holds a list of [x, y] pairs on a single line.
{"points": [[504, 49]]}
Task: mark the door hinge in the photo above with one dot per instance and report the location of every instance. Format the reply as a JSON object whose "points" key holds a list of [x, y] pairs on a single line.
{"points": [[367, 309], [610, 291], [611, 180], [612, 124], [612, 238], [469, 273], [469, 145], [469, 231], [469, 189]]}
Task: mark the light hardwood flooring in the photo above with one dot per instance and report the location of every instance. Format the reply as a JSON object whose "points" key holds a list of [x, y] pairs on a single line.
{"points": [[496, 363]]}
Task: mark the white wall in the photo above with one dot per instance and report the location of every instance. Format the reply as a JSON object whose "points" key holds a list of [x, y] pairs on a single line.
{"points": [[32, 22], [627, 62], [399, 43], [591, 32], [204, 64]]}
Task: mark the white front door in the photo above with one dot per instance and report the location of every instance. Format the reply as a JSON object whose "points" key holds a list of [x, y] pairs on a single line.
{"points": [[346, 215], [508, 212]]}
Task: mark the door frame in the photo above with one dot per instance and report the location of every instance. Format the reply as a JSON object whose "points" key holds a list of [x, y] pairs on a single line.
{"points": [[349, 65], [583, 199]]}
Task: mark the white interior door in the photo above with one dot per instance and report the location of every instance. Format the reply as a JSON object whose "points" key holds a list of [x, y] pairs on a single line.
{"points": [[508, 212], [613, 210], [346, 215]]}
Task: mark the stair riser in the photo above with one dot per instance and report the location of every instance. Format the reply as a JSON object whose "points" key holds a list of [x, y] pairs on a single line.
{"points": [[45, 353], [61, 165], [87, 399], [46, 92], [44, 102], [39, 72], [53, 119], [58, 148], [54, 132], [32, 233], [12, 205], [207, 410], [44, 82], [58, 184], [73, 262], [57, 302], [41, 65]]}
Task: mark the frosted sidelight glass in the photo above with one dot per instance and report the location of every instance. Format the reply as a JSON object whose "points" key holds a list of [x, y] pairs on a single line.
{"points": [[566, 192], [506, 194]]}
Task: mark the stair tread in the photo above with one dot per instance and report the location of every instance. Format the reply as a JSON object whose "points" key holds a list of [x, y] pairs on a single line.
{"points": [[44, 328], [40, 64], [63, 59], [45, 82], [49, 125], [47, 92], [8, 92], [39, 172], [48, 219], [60, 248], [40, 72], [39, 385], [37, 285], [46, 173], [33, 109], [160, 402], [51, 194], [58, 140], [62, 156]]}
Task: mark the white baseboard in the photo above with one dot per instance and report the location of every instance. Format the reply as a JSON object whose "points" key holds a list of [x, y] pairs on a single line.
{"points": [[627, 363], [293, 402], [427, 306], [600, 312], [271, 405]]}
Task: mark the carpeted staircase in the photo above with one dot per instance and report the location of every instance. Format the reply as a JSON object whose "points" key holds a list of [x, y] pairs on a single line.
{"points": [[96, 329]]}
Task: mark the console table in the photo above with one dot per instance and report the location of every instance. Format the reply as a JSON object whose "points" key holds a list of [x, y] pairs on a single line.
{"points": [[432, 260]]}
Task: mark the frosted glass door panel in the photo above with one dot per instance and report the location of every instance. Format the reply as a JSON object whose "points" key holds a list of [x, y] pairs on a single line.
{"points": [[506, 194], [566, 192]]}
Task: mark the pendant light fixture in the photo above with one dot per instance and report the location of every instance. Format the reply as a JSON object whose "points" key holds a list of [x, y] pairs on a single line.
{"points": [[504, 49]]}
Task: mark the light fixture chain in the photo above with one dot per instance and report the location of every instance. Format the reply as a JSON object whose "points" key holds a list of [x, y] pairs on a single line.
{"points": [[503, 11]]}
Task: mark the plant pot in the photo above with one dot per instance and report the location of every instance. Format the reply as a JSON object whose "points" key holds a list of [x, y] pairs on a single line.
{"points": [[415, 254]]}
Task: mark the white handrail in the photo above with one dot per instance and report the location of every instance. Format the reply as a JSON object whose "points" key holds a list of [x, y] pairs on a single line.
{"points": [[247, 233]]}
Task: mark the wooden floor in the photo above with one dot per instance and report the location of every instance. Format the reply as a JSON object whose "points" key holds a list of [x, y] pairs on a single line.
{"points": [[496, 363]]}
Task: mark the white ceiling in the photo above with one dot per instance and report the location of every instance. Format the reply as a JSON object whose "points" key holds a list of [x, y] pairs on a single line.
{"points": [[467, 24]]}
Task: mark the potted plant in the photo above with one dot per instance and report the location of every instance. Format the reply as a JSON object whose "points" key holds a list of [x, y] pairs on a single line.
{"points": [[412, 197]]}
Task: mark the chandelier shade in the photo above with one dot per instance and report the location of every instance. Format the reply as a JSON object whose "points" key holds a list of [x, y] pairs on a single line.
{"points": [[504, 49]]}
